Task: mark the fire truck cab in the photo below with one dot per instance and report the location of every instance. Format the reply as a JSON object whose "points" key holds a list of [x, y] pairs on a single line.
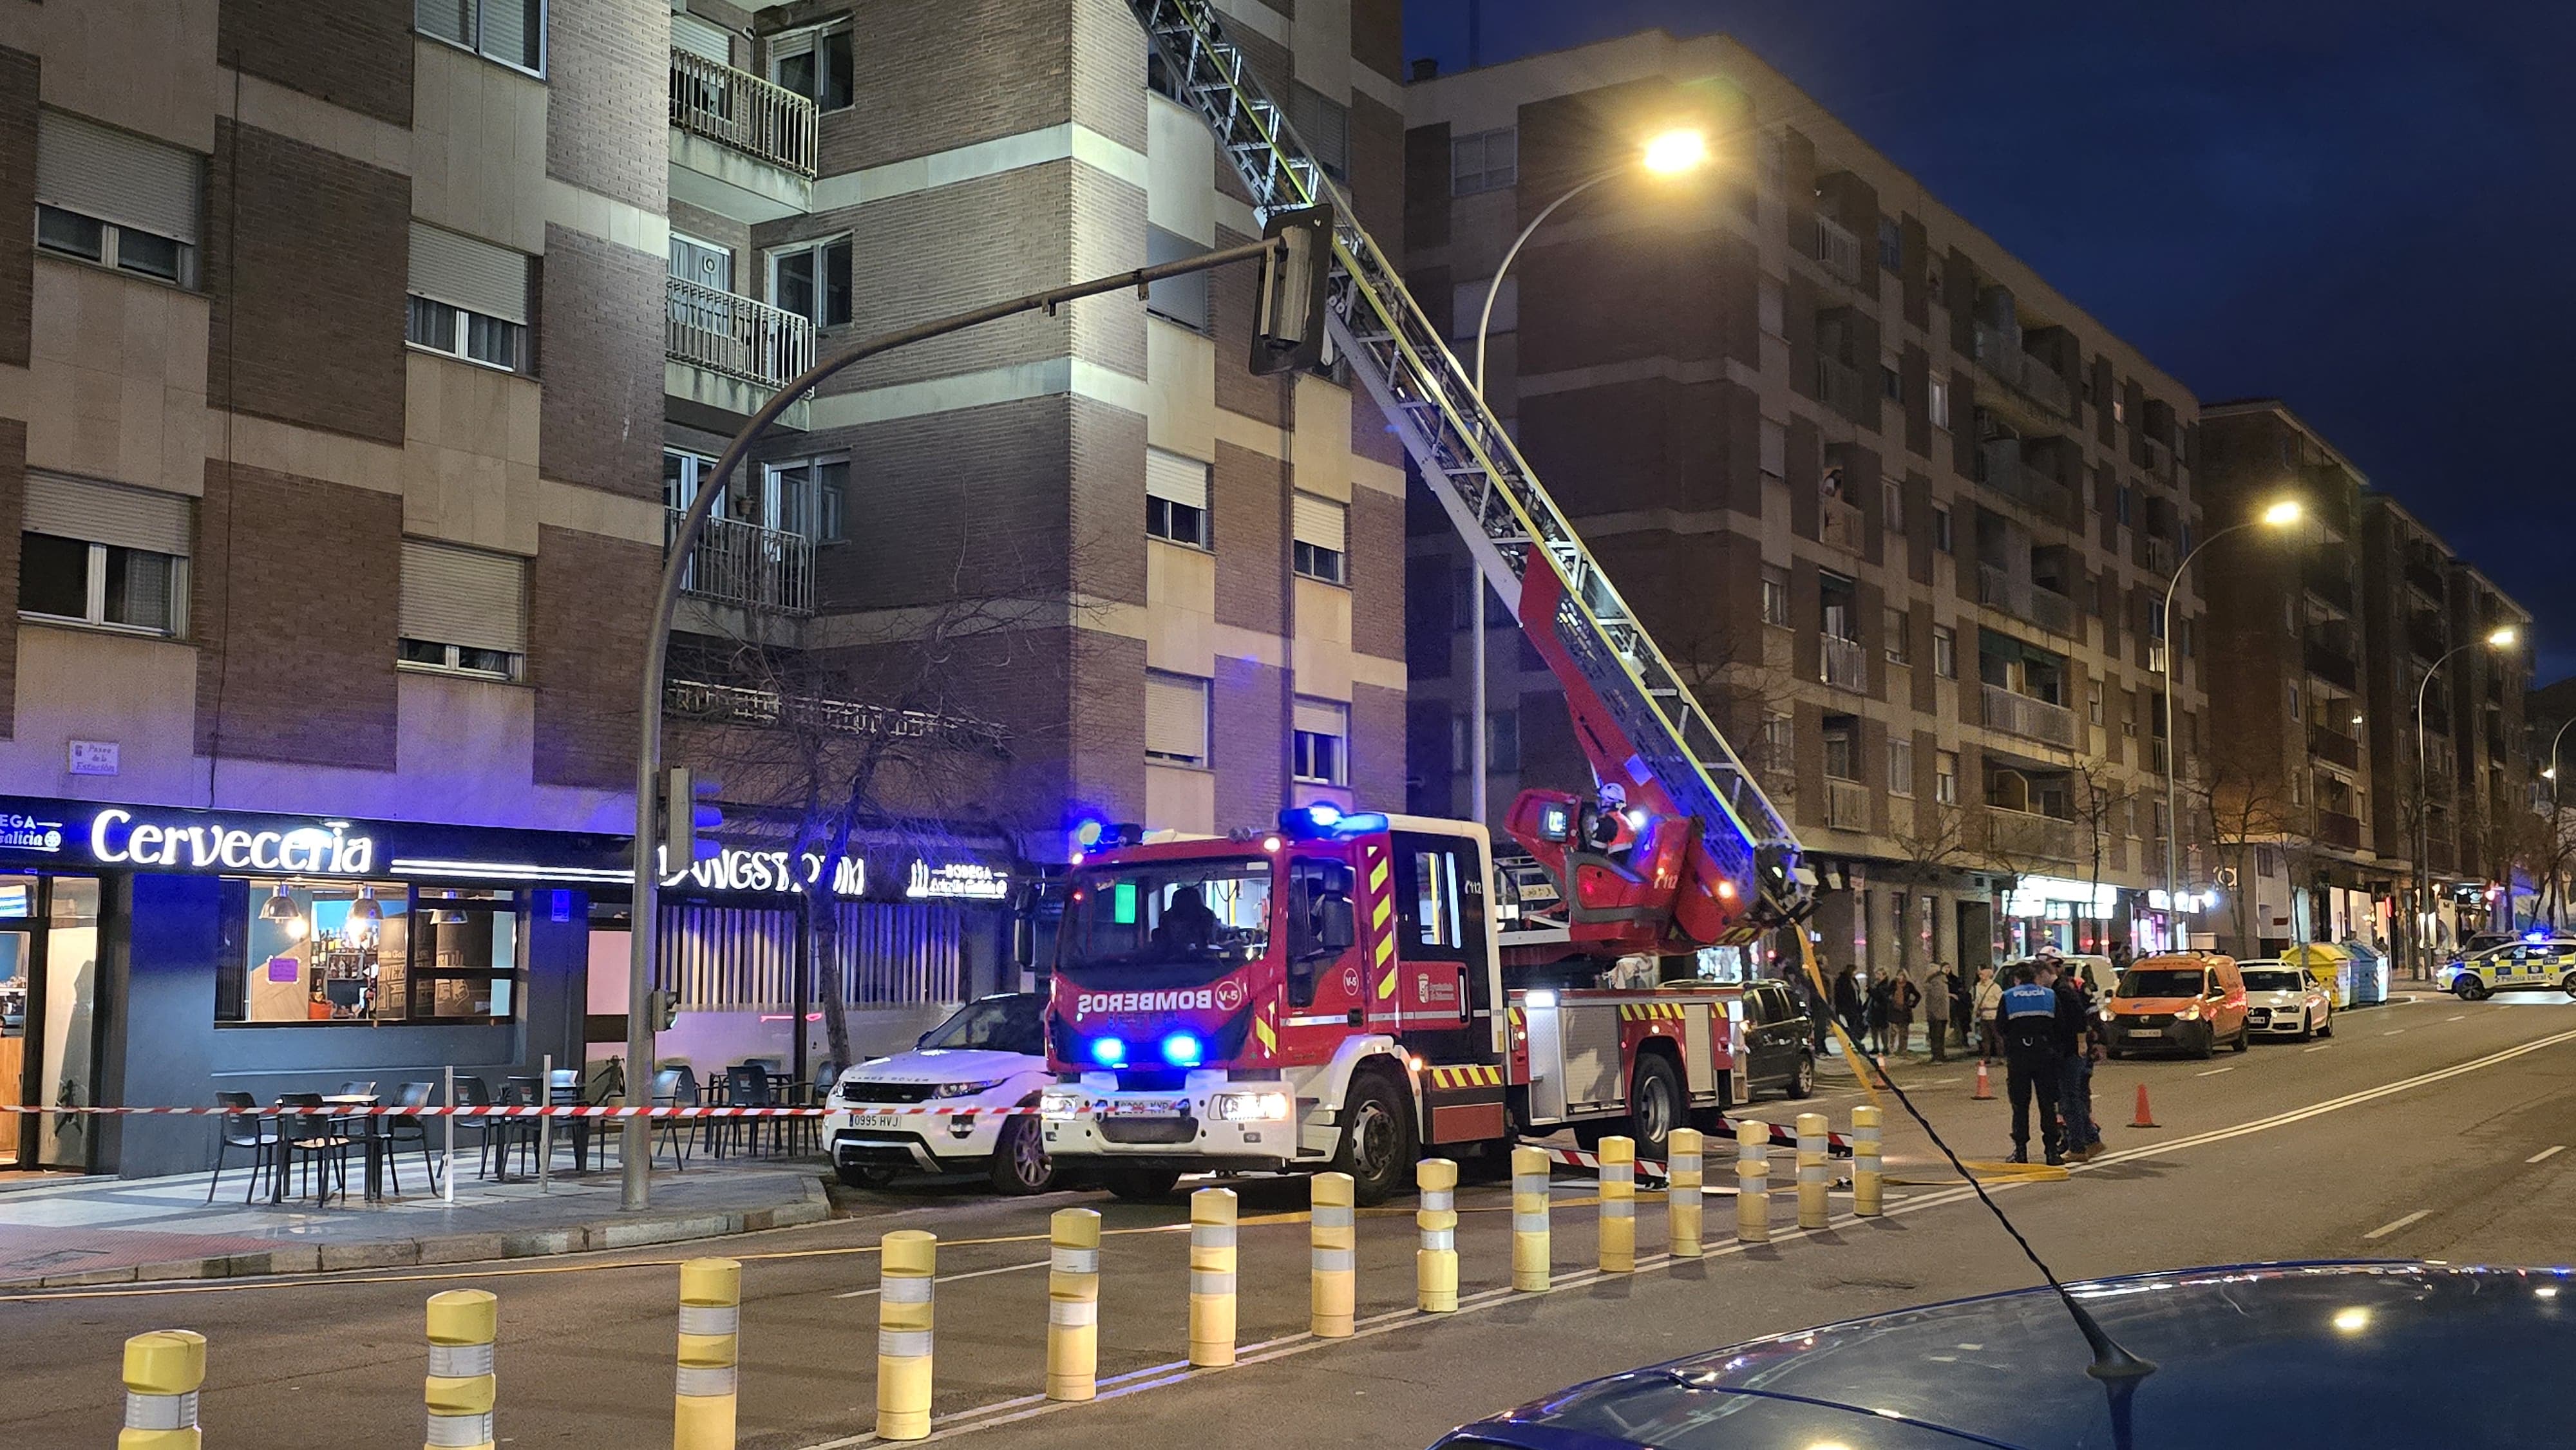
{"points": [[1348, 991]]}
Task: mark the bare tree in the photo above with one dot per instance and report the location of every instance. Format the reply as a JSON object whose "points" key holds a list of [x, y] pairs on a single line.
{"points": [[2245, 796], [1743, 680], [2100, 795], [1936, 841]]}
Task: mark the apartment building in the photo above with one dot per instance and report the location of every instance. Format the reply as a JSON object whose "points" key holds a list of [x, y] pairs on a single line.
{"points": [[352, 358], [1907, 510]]}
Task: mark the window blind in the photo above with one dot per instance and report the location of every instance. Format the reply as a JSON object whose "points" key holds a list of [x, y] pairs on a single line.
{"points": [[794, 43], [1176, 716], [459, 596], [702, 38], [117, 177], [1175, 479], [1323, 717], [107, 513], [474, 275], [1317, 521]]}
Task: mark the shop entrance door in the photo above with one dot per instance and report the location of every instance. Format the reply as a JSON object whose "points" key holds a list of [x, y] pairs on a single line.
{"points": [[49, 1014], [17, 971]]}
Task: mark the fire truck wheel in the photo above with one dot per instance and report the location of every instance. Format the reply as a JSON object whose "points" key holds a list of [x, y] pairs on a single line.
{"points": [[1140, 1185], [1377, 1138], [1654, 1106]]}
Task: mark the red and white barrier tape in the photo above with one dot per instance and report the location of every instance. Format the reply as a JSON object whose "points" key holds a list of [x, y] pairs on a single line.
{"points": [[495, 1111]]}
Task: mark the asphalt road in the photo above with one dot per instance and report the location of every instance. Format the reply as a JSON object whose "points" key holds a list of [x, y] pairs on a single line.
{"points": [[2429, 1129]]}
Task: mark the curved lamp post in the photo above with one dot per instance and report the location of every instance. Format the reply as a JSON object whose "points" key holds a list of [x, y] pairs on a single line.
{"points": [[2496, 639]]}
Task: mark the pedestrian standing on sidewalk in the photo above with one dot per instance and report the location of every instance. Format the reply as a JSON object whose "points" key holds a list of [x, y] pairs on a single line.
{"points": [[1963, 1011], [2031, 1059], [1878, 1009], [1987, 1004], [1848, 1007], [1903, 997], [2079, 1047], [1936, 1011]]}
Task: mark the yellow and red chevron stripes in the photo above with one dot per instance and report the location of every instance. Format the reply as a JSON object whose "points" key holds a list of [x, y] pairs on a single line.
{"points": [[1636, 1011], [1468, 1076], [1265, 1026], [1381, 923]]}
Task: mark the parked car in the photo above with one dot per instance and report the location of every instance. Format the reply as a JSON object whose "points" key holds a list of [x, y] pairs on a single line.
{"points": [[2285, 1001], [2248, 1357], [1779, 1041], [2512, 966], [990, 1056], [2188, 1001]]}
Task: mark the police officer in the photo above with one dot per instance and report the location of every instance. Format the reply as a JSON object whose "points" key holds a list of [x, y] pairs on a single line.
{"points": [[2028, 1020]]}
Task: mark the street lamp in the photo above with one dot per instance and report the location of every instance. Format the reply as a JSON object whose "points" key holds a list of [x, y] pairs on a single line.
{"points": [[2557, 901], [1676, 152], [2279, 515], [2501, 638]]}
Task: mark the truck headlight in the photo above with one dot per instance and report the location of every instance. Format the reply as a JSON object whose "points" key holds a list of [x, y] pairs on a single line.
{"points": [[1249, 1107], [1059, 1106]]}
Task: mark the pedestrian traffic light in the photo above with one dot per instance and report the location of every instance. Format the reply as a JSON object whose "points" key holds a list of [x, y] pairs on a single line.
{"points": [[1288, 307], [688, 808]]}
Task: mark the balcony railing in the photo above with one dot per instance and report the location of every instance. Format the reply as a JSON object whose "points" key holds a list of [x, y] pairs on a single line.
{"points": [[2330, 586], [2334, 747], [716, 704], [2160, 555], [1838, 386], [2336, 829], [2426, 576], [2015, 713], [740, 110], [1846, 804], [744, 563], [1999, 466], [1840, 525], [2051, 610], [2424, 636], [2155, 458], [1845, 663], [1838, 249], [2330, 665], [714, 329], [2013, 834], [2001, 354]]}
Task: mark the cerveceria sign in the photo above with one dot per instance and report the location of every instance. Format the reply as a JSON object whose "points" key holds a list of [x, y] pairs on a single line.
{"points": [[129, 836], [118, 837]]}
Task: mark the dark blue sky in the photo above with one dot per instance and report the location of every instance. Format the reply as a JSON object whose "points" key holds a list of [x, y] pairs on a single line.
{"points": [[2367, 210]]}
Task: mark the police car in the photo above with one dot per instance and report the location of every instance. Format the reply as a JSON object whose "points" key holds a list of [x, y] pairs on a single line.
{"points": [[2535, 962]]}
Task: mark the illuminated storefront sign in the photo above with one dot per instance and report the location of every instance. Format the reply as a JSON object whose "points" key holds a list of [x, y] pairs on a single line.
{"points": [[120, 838], [956, 881], [920, 878], [128, 836], [2192, 901], [735, 869], [2043, 896]]}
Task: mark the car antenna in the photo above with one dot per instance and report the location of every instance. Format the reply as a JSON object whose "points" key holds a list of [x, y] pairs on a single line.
{"points": [[2119, 1371]]}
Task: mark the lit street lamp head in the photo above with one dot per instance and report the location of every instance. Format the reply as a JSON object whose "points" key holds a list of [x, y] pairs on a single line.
{"points": [[2503, 638], [1677, 151], [2282, 514]]}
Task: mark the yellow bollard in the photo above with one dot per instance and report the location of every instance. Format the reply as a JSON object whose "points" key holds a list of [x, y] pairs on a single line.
{"points": [[1332, 1237], [1073, 1304], [1815, 1174], [710, 1354], [1683, 1179], [1868, 1184], [1435, 1263], [1752, 1182], [163, 1372], [1212, 1278], [462, 1326], [908, 1263], [1530, 1251], [1618, 1205]]}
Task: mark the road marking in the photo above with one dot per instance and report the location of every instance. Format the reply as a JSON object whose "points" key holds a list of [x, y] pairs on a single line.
{"points": [[2457, 1017], [953, 1278], [2552, 1151], [2213, 1072], [2393, 1031], [2393, 1225], [2320, 1047]]}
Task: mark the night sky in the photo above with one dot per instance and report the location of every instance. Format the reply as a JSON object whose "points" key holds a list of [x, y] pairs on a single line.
{"points": [[2368, 210]]}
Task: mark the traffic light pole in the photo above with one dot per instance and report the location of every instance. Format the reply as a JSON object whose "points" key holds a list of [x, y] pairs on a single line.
{"points": [[637, 1145]]}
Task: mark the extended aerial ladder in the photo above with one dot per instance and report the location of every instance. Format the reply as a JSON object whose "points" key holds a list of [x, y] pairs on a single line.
{"points": [[1654, 749]]}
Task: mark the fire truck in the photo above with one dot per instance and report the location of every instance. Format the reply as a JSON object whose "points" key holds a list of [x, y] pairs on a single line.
{"points": [[1349, 990]]}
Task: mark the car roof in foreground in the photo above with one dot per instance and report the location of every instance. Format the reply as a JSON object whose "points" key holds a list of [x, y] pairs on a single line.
{"points": [[2248, 1356]]}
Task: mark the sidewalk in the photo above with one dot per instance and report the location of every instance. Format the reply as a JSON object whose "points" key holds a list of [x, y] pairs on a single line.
{"points": [[57, 1232]]}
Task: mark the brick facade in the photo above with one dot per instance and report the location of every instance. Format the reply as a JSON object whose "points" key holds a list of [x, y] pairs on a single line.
{"points": [[13, 504], [599, 354], [589, 600], [352, 53], [18, 87], [1249, 750], [608, 69], [1377, 573], [1247, 503]]}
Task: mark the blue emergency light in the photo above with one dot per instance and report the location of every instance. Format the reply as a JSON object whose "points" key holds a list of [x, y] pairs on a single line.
{"points": [[1323, 818], [1108, 1051], [1182, 1049]]}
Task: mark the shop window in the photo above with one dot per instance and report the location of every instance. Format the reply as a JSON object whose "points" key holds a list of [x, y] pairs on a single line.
{"points": [[116, 199], [103, 554], [814, 64], [343, 952]]}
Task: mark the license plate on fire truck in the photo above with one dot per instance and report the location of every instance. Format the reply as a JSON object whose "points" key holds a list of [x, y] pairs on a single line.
{"points": [[1149, 1108]]}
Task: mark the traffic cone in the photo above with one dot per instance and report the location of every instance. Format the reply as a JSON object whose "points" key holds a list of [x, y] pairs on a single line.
{"points": [[2144, 1119], [1985, 1087]]}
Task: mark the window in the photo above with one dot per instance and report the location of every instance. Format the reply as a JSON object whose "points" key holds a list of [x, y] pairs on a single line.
{"points": [[116, 199], [463, 610], [1842, 753], [1779, 743], [1775, 451], [2297, 700], [1324, 124], [2120, 414], [1176, 719], [1502, 740], [1775, 595], [1891, 506], [2159, 809], [1891, 243], [808, 497], [814, 64], [1941, 536], [469, 299], [379, 951], [1467, 304], [1320, 526], [1891, 383], [1323, 742], [812, 280], [1176, 498], [103, 554], [1176, 299], [512, 32], [1945, 777], [2186, 639], [2093, 701], [1484, 161], [1771, 303], [1900, 767], [1945, 652], [1900, 638], [1940, 402], [2123, 502]]}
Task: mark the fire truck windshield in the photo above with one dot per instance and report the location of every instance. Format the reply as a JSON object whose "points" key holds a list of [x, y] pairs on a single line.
{"points": [[1213, 914]]}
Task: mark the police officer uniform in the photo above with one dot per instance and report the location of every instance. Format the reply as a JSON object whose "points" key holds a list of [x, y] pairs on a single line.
{"points": [[2031, 1061]]}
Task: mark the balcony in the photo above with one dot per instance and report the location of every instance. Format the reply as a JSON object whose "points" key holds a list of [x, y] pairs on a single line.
{"points": [[718, 704], [2338, 830], [2029, 717], [1845, 663], [2328, 583], [2426, 576], [2329, 664], [2019, 836], [1839, 387], [1839, 525], [1838, 250], [2424, 636], [732, 353], [2334, 748], [2001, 355], [1999, 467], [2051, 610], [745, 564], [2154, 457], [740, 146], [2160, 555], [1846, 805]]}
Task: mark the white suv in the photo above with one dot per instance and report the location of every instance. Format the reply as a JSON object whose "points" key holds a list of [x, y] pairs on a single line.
{"points": [[988, 1058]]}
